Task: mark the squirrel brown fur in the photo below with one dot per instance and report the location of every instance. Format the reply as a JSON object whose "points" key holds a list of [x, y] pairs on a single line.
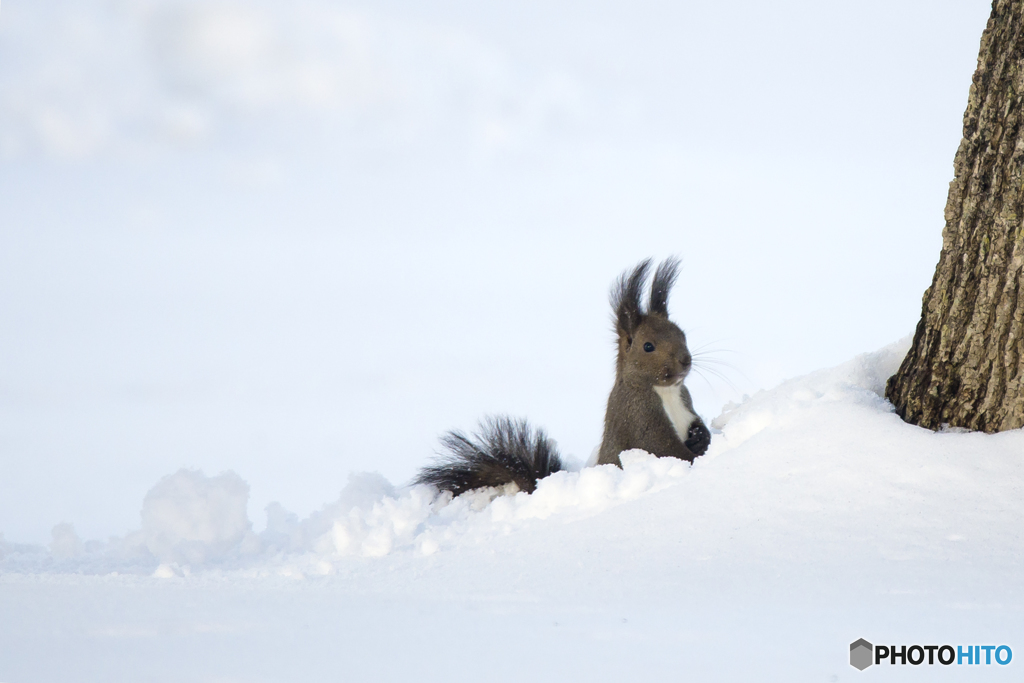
{"points": [[648, 408]]}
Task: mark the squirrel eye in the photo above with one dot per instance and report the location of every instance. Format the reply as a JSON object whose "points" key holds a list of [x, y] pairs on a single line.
{"points": [[648, 347]]}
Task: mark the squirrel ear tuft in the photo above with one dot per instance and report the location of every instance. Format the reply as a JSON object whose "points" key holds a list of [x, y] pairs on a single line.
{"points": [[626, 298], [664, 278]]}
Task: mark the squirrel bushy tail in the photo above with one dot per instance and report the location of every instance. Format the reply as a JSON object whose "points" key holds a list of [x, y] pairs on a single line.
{"points": [[504, 450]]}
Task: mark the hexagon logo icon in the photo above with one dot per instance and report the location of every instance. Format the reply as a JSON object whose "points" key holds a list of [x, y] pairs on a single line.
{"points": [[861, 654]]}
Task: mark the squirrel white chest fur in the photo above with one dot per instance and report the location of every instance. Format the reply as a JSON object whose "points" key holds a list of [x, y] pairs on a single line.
{"points": [[678, 414]]}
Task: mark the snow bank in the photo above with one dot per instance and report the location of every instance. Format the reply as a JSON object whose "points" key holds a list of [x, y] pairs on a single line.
{"points": [[818, 466], [191, 521], [858, 382], [423, 522]]}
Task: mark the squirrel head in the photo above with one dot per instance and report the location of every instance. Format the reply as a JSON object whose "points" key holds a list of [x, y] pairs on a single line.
{"points": [[652, 349]]}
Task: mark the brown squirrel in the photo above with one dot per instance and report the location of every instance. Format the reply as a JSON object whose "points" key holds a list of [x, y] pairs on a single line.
{"points": [[648, 408]]}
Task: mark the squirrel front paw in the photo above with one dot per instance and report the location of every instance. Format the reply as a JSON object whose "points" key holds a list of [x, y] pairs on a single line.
{"points": [[698, 438]]}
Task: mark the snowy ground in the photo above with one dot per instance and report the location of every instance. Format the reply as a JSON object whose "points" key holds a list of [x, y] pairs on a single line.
{"points": [[816, 518]]}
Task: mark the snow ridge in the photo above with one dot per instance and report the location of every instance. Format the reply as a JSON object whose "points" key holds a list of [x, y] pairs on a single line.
{"points": [[192, 522], [817, 467]]}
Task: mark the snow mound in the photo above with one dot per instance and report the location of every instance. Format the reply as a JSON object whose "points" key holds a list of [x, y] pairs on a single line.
{"points": [[189, 518], [858, 382], [191, 522], [420, 520], [817, 467]]}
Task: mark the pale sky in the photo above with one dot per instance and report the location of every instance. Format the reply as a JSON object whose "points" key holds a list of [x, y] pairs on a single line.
{"points": [[300, 240]]}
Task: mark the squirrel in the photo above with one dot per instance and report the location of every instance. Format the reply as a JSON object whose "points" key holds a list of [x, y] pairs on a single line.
{"points": [[648, 407]]}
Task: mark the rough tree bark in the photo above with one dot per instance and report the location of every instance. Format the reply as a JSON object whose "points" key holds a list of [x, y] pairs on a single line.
{"points": [[966, 365]]}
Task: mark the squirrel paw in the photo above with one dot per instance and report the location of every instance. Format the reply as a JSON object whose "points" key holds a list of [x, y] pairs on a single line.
{"points": [[698, 438]]}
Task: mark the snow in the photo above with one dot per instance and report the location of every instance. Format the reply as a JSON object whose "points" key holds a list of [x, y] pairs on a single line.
{"points": [[817, 517], [189, 518], [256, 256], [194, 522]]}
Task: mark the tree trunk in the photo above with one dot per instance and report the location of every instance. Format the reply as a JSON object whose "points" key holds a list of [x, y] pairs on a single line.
{"points": [[966, 365]]}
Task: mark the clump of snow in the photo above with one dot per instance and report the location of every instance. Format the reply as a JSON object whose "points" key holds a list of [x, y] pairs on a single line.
{"points": [[189, 518], [391, 523], [66, 543], [286, 533], [420, 520]]}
